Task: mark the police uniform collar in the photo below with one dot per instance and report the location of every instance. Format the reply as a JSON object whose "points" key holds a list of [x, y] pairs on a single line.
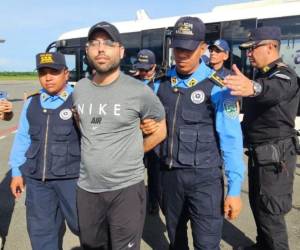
{"points": [[271, 65], [202, 72], [62, 95]]}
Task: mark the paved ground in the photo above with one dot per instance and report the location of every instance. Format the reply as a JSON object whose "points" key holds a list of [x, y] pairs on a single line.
{"points": [[12, 213]]}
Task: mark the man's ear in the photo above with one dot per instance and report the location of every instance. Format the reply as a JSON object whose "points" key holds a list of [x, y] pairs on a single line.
{"points": [[67, 74], [226, 56], [202, 48], [122, 52]]}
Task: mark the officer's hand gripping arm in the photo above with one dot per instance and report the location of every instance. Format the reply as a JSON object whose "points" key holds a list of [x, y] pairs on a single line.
{"points": [[153, 139]]}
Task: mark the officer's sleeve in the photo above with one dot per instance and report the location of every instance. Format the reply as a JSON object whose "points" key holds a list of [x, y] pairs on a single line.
{"points": [[21, 142], [150, 105], [280, 86], [156, 86], [230, 135]]}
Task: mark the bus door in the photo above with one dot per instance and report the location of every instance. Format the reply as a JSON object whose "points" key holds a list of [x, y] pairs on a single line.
{"points": [[235, 33], [74, 51]]}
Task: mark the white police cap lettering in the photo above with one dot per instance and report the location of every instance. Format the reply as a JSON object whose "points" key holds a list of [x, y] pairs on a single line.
{"points": [[65, 114], [197, 96]]}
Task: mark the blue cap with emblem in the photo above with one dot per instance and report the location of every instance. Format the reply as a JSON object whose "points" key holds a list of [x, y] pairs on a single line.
{"points": [[53, 60], [261, 34], [188, 32], [145, 59], [221, 45]]}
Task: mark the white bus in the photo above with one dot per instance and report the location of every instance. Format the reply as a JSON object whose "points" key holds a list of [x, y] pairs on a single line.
{"points": [[229, 22]]}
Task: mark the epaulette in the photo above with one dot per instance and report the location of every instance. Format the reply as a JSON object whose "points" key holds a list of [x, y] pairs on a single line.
{"points": [[217, 80], [279, 73], [26, 96], [281, 64]]}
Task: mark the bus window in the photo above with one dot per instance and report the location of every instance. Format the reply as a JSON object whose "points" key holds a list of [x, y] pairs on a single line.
{"points": [[71, 64], [235, 33], [132, 44], [212, 32], [290, 39], [154, 40]]}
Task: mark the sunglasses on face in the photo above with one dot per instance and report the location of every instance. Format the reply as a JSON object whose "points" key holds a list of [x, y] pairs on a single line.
{"points": [[214, 49], [260, 45]]}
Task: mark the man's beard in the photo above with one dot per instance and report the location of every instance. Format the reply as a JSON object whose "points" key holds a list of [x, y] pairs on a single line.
{"points": [[105, 68]]}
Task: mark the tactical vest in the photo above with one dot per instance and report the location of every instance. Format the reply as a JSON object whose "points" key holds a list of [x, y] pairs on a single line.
{"points": [[192, 140], [54, 152]]}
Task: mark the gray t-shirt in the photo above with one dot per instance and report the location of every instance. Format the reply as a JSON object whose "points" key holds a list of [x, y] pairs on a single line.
{"points": [[112, 142]]}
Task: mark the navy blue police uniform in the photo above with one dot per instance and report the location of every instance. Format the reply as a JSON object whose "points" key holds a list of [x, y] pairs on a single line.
{"points": [[203, 132], [46, 152], [268, 126]]}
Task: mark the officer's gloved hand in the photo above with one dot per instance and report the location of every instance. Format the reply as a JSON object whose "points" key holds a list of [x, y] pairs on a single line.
{"points": [[232, 207]]}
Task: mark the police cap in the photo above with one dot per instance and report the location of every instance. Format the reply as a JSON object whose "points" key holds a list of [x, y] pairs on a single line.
{"points": [[260, 34], [53, 60], [188, 33], [145, 59]]}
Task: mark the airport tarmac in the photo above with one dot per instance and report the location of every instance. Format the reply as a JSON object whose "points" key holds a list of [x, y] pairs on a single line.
{"points": [[12, 213]]}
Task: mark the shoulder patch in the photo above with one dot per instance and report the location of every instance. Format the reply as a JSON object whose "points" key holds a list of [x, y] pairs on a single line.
{"points": [[217, 80], [231, 108], [282, 76]]}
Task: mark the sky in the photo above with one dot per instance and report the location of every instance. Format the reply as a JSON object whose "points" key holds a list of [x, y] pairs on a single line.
{"points": [[28, 27]]}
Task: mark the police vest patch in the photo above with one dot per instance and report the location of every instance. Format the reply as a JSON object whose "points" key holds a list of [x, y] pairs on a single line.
{"points": [[192, 82], [173, 81], [231, 108], [65, 114], [197, 96]]}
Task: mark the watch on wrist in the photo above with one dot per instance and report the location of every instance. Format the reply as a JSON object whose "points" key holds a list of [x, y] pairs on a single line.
{"points": [[257, 88]]}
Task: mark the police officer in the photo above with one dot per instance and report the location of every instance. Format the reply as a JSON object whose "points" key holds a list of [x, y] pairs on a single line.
{"points": [[147, 72], [46, 156], [270, 109], [147, 69], [203, 131], [219, 53]]}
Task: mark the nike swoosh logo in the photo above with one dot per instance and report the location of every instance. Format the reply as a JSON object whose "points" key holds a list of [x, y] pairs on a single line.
{"points": [[130, 244]]}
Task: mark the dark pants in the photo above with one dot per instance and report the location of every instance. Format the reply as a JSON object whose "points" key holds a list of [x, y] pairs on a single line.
{"points": [[120, 212], [152, 164], [270, 196], [195, 195], [48, 205]]}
